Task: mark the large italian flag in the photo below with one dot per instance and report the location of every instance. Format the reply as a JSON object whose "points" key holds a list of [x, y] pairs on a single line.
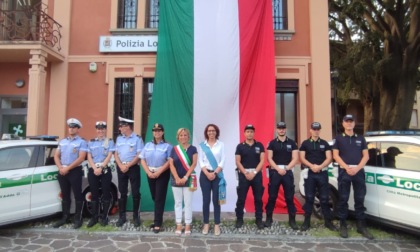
{"points": [[215, 64]]}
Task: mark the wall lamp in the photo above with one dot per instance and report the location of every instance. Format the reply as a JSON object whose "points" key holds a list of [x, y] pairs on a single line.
{"points": [[20, 83]]}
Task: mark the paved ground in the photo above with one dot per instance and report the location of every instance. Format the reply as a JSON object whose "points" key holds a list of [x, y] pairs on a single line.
{"points": [[39, 236]]}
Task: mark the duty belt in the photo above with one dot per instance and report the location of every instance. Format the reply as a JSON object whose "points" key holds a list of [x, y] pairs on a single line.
{"points": [[153, 169]]}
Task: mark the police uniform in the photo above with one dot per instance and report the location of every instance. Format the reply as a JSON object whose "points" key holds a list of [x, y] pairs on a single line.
{"points": [[128, 148], [315, 153], [250, 158], [282, 156], [99, 149], [350, 150], [154, 156], [69, 150]]}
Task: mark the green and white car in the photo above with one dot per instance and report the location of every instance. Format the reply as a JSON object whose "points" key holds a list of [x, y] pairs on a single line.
{"points": [[392, 180], [28, 180]]}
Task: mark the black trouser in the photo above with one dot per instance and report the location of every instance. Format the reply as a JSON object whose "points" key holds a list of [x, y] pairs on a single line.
{"points": [[133, 174], [359, 192], [314, 182], [102, 181], [71, 181], [273, 190], [242, 190], [158, 189]]}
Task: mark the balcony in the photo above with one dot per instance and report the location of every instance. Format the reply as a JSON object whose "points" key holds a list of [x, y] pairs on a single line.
{"points": [[27, 28]]}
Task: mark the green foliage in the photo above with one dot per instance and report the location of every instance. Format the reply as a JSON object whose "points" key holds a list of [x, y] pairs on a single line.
{"points": [[375, 45]]}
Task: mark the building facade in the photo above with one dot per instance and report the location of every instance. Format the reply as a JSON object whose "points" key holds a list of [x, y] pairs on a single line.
{"points": [[60, 59]]}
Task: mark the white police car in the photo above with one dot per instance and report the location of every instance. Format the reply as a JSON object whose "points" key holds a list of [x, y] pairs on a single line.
{"points": [[28, 180], [392, 180]]}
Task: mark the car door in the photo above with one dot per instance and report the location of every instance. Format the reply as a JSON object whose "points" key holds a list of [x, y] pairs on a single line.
{"points": [[399, 183], [45, 197], [16, 169], [371, 198]]}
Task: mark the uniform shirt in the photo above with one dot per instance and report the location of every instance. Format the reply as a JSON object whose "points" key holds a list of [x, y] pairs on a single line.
{"points": [[100, 148], [350, 147], [180, 170], [282, 151], [315, 150], [128, 147], [156, 155], [69, 149], [218, 151], [250, 154]]}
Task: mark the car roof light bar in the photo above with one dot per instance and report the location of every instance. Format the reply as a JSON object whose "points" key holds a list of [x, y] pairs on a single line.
{"points": [[393, 132]]}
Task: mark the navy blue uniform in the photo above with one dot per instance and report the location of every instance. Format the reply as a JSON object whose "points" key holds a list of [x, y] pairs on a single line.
{"points": [[282, 155], [250, 158], [315, 153], [350, 150]]}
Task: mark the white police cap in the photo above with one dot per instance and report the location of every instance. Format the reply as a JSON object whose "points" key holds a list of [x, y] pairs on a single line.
{"points": [[74, 122], [125, 120]]}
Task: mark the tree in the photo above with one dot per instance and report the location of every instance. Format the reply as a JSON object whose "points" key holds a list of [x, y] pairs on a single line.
{"points": [[375, 44]]}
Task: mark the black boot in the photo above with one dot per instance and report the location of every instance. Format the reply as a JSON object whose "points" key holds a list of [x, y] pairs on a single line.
{"points": [[306, 223], [292, 221], [239, 222], [361, 229], [106, 205], [343, 229], [66, 215], [330, 225], [78, 219], [122, 204], [260, 224], [136, 217], [268, 220], [94, 219]]}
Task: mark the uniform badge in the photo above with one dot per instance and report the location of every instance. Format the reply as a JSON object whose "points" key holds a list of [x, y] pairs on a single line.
{"points": [[257, 150], [131, 148], [74, 150]]}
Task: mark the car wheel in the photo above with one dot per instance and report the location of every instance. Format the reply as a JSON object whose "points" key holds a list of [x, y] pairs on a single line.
{"points": [[87, 196], [332, 202]]}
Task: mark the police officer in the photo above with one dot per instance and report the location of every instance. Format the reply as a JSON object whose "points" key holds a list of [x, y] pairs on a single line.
{"points": [[249, 157], [282, 155], [70, 154], [100, 150], [155, 162], [351, 153], [128, 148], [315, 155]]}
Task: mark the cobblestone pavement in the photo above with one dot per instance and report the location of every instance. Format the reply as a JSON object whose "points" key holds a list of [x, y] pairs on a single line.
{"points": [[40, 236], [71, 240]]}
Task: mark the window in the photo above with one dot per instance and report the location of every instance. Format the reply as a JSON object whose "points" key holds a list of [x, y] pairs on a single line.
{"points": [[49, 155], [280, 21], [374, 155], [124, 101], [148, 84], [152, 19], [127, 14], [403, 156], [16, 158]]}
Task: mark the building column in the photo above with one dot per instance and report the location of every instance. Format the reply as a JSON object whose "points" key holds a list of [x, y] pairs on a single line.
{"points": [[36, 94]]}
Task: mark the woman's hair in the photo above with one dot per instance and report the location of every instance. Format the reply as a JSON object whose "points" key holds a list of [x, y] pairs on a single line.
{"points": [[182, 130], [215, 127], [163, 139]]}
